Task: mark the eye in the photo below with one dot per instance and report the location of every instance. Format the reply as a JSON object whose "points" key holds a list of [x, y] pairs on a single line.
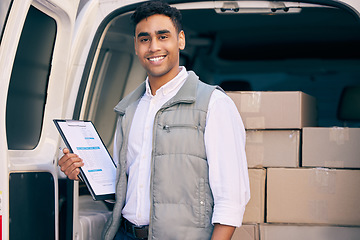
{"points": [[163, 37], [143, 40]]}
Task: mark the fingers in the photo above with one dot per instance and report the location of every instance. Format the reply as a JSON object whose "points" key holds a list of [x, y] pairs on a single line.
{"points": [[74, 175], [69, 164], [66, 150]]}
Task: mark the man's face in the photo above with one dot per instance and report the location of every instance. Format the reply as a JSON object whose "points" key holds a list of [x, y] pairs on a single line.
{"points": [[157, 45]]}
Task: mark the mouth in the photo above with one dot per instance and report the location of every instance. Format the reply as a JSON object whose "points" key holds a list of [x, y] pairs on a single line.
{"points": [[156, 59]]}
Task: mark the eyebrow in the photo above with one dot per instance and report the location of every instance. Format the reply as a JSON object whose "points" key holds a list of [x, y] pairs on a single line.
{"points": [[162, 31], [146, 34], [143, 34]]}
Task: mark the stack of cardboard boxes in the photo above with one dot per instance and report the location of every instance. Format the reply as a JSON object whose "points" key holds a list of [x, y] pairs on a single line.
{"points": [[304, 180]]}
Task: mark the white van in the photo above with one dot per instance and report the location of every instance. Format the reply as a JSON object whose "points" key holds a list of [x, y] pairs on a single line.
{"points": [[74, 59]]}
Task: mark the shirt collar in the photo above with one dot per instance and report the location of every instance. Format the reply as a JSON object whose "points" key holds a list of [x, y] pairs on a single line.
{"points": [[170, 86]]}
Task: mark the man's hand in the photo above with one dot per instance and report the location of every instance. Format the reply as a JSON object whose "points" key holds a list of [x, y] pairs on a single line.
{"points": [[69, 164]]}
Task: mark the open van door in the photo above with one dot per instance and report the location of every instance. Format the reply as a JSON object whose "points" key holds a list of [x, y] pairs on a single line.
{"points": [[53, 66], [298, 45], [34, 53]]}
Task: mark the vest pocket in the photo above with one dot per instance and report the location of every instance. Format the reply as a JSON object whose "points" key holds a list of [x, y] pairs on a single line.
{"points": [[168, 128]]}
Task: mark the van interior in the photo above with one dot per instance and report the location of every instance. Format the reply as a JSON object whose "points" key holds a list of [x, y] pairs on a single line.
{"points": [[312, 48], [309, 48], [305, 47]]}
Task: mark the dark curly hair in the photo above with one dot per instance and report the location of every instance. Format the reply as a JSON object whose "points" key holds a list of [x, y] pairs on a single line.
{"points": [[150, 8]]}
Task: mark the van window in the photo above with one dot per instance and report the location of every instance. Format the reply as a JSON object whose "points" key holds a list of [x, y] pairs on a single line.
{"points": [[106, 91], [29, 81]]}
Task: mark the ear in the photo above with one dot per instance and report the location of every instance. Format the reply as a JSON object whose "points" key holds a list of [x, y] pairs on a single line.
{"points": [[181, 40]]}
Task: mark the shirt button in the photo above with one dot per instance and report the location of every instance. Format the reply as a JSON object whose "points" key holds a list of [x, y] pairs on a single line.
{"points": [[202, 203]]}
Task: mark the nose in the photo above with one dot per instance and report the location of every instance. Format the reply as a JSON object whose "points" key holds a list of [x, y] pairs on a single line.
{"points": [[154, 45]]}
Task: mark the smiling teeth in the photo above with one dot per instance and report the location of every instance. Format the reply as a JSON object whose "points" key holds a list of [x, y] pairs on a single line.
{"points": [[156, 59]]}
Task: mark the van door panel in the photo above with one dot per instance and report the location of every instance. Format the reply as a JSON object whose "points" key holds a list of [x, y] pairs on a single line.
{"points": [[34, 60]]}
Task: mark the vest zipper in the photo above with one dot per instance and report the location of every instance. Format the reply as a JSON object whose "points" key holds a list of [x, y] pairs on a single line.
{"points": [[152, 173], [167, 128]]}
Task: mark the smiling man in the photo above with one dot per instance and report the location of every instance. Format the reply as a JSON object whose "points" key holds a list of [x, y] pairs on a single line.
{"points": [[179, 144], [157, 44]]}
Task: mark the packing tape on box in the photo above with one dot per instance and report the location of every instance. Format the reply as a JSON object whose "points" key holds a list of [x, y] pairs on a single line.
{"points": [[254, 136], [324, 180], [334, 164], [255, 155], [255, 123], [250, 102], [254, 148], [293, 136], [318, 210], [339, 135]]}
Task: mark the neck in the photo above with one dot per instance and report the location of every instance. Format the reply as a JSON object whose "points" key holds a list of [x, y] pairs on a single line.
{"points": [[157, 82]]}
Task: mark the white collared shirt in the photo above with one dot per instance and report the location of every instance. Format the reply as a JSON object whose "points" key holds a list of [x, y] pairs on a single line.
{"points": [[225, 150]]}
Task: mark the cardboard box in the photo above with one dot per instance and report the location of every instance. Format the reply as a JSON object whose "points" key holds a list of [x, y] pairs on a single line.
{"points": [[255, 209], [275, 110], [331, 147], [246, 232], [297, 232], [272, 148], [314, 196]]}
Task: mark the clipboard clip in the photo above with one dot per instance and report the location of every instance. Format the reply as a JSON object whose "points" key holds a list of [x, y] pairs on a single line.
{"points": [[75, 123]]}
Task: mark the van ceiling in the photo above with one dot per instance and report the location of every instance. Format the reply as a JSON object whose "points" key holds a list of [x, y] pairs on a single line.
{"points": [[315, 32], [327, 33]]}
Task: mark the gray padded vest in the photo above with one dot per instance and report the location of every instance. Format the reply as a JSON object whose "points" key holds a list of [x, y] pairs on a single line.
{"points": [[180, 195]]}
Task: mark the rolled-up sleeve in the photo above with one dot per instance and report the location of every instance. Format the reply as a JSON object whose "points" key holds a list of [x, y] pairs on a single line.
{"points": [[225, 149]]}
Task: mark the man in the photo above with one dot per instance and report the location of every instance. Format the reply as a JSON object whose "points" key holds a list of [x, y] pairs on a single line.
{"points": [[179, 143]]}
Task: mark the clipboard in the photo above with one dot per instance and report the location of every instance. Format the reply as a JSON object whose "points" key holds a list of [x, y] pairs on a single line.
{"points": [[99, 170]]}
